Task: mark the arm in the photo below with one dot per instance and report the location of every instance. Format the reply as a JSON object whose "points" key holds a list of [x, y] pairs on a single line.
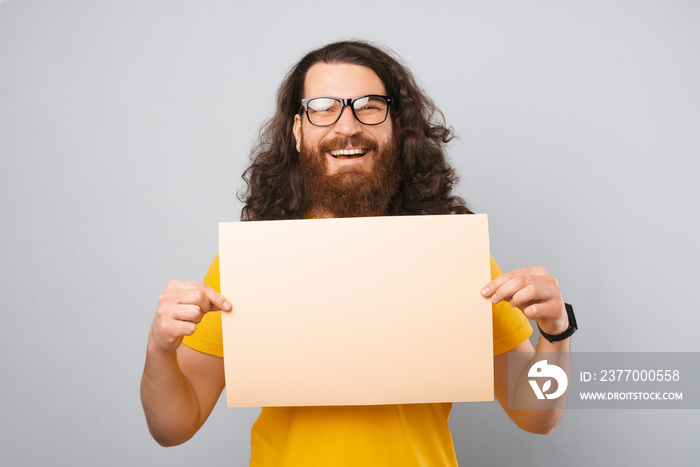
{"points": [[179, 388], [536, 293]]}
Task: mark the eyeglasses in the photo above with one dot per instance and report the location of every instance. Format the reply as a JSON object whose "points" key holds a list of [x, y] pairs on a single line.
{"points": [[325, 111]]}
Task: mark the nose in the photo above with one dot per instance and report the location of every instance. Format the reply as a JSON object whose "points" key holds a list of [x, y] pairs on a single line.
{"points": [[347, 124]]}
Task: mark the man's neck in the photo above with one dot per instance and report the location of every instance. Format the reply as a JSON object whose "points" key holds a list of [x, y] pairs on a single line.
{"points": [[319, 213]]}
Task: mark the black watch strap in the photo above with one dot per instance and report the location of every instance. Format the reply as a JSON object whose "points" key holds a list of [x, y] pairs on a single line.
{"points": [[572, 327]]}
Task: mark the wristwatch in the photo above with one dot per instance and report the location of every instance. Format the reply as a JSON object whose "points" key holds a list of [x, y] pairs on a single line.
{"points": [[572, 327]]}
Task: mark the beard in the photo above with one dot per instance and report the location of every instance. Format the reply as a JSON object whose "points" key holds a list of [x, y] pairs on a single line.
{"points": [[351, 192]]}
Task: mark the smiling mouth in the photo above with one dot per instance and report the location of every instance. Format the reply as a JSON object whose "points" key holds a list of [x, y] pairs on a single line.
{"points": [[348, 153]]}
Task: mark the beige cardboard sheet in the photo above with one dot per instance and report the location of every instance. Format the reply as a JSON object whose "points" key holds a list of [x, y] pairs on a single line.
{"points": [[358, 311]]}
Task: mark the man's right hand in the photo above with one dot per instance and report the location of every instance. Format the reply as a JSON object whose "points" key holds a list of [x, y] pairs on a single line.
{"points": [[180, 308], [179, 389]]}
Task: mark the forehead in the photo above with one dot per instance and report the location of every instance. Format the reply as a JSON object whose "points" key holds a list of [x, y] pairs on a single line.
{"points": [[341, 80]]}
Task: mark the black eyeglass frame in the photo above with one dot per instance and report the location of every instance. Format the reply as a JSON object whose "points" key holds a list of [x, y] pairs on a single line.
{"points": [[343, 103]]}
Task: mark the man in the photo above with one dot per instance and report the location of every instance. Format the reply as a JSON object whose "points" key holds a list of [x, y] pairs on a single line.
{"points": [[353, 135]]}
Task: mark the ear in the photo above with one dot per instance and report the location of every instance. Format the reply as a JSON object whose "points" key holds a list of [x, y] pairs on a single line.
{"points": [[297, 131]]}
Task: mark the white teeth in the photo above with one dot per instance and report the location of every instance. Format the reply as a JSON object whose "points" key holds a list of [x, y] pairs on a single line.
{"points": [[348, 152]]}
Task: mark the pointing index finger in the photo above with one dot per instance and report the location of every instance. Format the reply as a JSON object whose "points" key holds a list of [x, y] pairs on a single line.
{"points": [[216, 300], [490, 288]]}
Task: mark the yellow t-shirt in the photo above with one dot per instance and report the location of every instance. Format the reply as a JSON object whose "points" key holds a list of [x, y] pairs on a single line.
{"points": [[396, 435]]}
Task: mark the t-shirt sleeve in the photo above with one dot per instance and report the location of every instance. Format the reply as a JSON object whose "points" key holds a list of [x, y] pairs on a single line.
{"points": [[207, 337], [510, 326]]}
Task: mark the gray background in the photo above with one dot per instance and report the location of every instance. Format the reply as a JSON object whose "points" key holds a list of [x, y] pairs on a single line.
{"points": [[125, 125]]}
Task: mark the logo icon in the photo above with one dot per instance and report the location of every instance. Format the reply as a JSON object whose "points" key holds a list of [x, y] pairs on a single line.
{"points": [[542, 369]]}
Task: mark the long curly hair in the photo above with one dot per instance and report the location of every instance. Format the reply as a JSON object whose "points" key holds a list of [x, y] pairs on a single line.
{"points": [[274, 184]]}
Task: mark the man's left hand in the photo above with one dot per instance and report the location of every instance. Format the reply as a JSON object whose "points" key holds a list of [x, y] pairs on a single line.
{"points": [[535, 292]]}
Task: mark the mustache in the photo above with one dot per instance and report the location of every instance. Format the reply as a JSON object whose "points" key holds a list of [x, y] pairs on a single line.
{"points": [[343, 142]]}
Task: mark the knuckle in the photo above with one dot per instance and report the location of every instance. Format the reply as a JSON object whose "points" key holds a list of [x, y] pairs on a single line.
{"points": [[551, 281], [194, 313], [192, 297], [189, 329], [519, 299], [534, 310], [533, 292], [166, 329], [173, 329], [162, 312]]}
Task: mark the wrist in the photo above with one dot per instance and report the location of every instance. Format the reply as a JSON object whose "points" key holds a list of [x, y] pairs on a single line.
{"points": [[157, 349], [561, 333], [553, 327]]}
